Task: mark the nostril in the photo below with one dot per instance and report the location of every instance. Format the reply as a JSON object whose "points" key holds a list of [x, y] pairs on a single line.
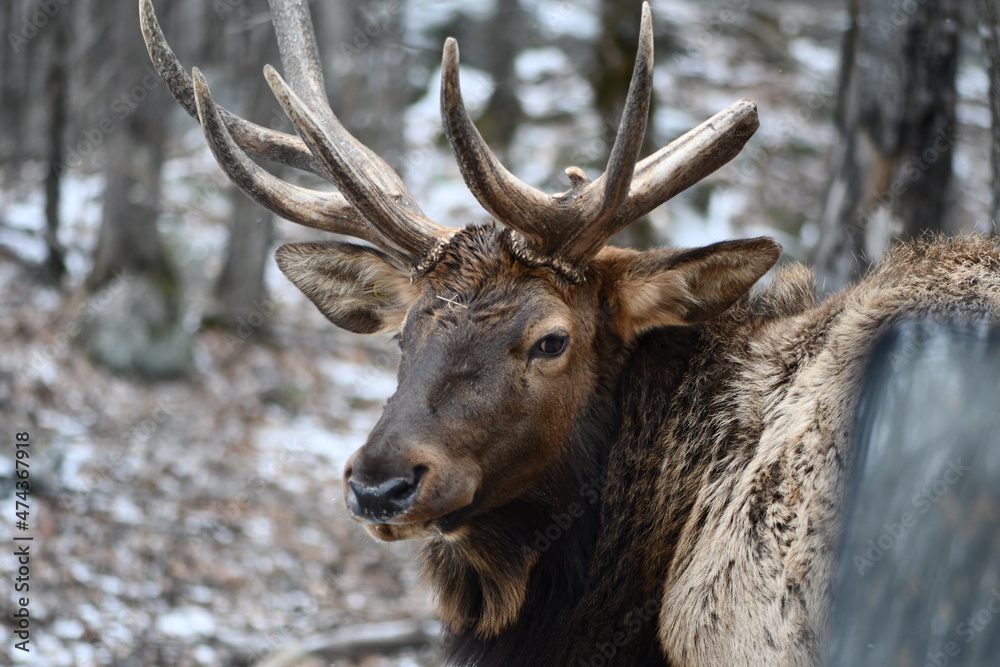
{"points": [[391, 498], [396, 489], [402, 488]]}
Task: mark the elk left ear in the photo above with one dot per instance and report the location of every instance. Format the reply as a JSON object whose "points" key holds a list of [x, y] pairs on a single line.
{"points": [[670, 287], [358, 288]]}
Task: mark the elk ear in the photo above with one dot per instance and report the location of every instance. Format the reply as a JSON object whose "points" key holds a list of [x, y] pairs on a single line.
{"points": [[677, 287], [358, 288]]}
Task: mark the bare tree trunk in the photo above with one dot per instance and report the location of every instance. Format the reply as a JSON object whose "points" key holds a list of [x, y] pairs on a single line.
{"points": [[57, 93], [15, 60], [891, 169], [370, 96], [240, 290], [128, 239], [989, 29], [503, 112], [139, 324]]}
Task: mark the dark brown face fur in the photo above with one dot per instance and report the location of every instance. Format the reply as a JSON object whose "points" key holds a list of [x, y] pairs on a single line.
{"points": [[498, 360]]}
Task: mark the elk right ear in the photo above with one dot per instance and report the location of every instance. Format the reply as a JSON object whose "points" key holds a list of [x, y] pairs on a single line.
{"points": [[678, 287], [358, 288]]}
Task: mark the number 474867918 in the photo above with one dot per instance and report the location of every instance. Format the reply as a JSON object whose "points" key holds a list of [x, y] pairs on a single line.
{"points": [[21, 467]]}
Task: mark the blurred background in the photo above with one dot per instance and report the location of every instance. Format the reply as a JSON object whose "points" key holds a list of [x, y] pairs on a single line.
{"points": [[191, 412]]}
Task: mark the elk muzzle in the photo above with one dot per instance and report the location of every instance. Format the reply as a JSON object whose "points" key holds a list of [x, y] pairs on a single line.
{"points": [[388, 487]]}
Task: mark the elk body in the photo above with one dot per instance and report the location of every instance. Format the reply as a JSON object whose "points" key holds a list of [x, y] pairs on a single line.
{"points": [[611, 456]]}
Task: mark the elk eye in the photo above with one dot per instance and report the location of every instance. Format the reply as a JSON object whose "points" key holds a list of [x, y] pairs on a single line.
{"points": [[551, 346], [399, 341]]}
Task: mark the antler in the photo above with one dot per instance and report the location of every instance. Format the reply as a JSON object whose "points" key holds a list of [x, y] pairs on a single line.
{"points": [[373, 203], [565, 230], [562, 230]]}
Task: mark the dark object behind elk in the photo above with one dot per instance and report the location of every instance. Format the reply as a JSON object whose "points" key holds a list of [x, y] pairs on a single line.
{"points": [[920, 567]]}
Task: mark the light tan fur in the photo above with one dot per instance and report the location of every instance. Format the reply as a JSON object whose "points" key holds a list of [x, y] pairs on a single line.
{"points": [[726, 604]]}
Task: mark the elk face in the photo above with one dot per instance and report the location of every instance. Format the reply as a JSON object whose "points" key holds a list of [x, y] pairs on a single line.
{"points": [[502, 332], [490, 381], [498, 360]]}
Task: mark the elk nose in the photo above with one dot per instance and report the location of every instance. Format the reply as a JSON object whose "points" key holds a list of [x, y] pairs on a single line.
{"points": [[382, 502]]}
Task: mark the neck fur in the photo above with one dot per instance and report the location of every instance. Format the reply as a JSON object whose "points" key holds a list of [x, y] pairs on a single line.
{"points": [[512, 574]]}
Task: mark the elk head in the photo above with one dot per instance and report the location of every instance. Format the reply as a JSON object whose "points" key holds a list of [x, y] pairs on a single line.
{"points": [[504, 331]]}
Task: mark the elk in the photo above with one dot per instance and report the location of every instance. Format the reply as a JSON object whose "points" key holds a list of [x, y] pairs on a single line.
{"points": [[611, 456]]}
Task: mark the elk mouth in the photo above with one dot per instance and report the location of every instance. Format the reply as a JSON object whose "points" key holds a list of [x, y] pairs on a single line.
{"points": [[409, 527], [442, 526], [403, 528]]}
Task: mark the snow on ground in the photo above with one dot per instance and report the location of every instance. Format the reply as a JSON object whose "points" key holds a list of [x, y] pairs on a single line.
{"points": [[201, 521]]}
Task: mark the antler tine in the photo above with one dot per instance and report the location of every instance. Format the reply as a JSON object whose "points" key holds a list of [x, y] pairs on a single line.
{"points": [[328, 211], [259, 141], [565, 230], [617, 177], [303, 67], [407, 228], [299, 53], [673, 169], [687, 160], [502, 194]]}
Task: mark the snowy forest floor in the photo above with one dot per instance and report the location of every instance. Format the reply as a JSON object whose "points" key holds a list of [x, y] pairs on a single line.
{"points": [[200, 521]]}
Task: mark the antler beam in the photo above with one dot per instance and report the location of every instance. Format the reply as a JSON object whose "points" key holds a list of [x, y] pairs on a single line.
{"points": [[549, 223], [328, 211], [364, 182], [256, 140]]}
